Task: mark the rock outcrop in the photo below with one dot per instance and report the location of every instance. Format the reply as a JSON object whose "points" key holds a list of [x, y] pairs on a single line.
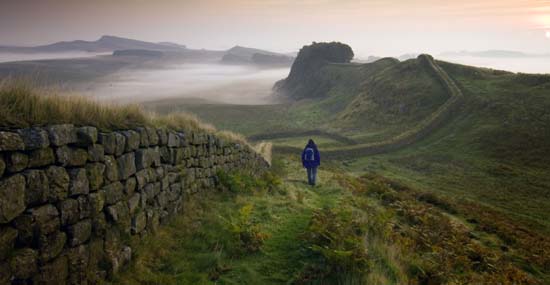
{"points": [[70, 196], [303, 80]]}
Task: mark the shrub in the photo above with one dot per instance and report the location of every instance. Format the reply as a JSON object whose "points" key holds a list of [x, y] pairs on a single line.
{"points": [[247, 231], [243, 182], [336, 239]]}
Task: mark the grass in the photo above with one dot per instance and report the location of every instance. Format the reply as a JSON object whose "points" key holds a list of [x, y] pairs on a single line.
{"points": [[294, 234], [22, 105]]}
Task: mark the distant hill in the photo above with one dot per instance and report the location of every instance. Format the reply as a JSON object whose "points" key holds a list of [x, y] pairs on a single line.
{"points": [[493, 53], [138, 52], [104, 44], [245, 55]]}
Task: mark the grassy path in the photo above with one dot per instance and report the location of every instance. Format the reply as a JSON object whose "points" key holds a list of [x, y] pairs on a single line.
{"points": [[206, 253], [346, 230]]}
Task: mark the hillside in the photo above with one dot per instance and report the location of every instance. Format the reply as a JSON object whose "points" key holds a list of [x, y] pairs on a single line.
{"points": [[491, 149], [103, 44], [245, 55]]}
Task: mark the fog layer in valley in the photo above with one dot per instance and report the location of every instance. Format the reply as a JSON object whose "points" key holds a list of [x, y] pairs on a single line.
{"points": [[513, 64], [216, 83], [9, 57]]}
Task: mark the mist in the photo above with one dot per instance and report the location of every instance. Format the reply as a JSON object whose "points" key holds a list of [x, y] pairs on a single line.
{"points": [[207, 83], [513, 64], [9, 57]]}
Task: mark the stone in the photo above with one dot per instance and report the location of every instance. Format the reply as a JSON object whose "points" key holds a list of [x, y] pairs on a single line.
{"points": [[153, 136], [120, 214], [120, 144], [173, 177], [2, 166], [54, 273], [153, 220], [45, 219], [163, 136], [37, 187], [111, 169], [62, 134], [11, 141], [173, 139], [144, 158], [69, 211], [79, 233], [95, 173], [41, 157], [97, 200], [12, 198], [7, 241], [24, 263], [108, 141], [25, 230], [155, 156], [130, 186], [142, 178], [183, 140], [86, 136], [79, 182], [139, 222], [16, 161], [133, 203], [126, 165], [34, 138], [125, 255], [144, 137], [132, 140], [59, 183], [165, 154], [85, 207], [165, 183], [50, 246], [99, 225], [162, 200], [113, 193], [67, 156], [96, 153], [78, 260], [148, 193]]}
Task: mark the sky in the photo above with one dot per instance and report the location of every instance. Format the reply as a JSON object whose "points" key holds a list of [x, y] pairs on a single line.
{"points": [[371, 27]]}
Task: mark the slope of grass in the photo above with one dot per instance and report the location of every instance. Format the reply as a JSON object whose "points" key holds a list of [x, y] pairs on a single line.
{"points": [[348, 230]]}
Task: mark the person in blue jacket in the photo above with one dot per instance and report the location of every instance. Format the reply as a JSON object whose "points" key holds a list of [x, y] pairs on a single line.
{"points": [[311, 159]]}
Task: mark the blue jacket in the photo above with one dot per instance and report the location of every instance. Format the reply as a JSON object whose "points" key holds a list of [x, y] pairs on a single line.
{"points": [[316, 156]]}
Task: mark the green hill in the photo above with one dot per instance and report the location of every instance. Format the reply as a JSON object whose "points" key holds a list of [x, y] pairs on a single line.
{"points": [[468, 133]]}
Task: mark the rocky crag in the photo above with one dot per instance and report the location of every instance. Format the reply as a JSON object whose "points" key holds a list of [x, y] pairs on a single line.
{"points": [[72, 197]]}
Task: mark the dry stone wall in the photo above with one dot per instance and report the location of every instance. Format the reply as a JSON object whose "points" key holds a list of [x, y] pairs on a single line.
{"points": [[71, 197]]}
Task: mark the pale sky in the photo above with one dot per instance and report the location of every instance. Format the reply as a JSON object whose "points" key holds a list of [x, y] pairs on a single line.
{"points": [[381, 27]]}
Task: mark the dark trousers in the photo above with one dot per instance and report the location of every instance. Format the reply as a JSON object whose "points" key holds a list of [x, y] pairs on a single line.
{"points": [[311, 175]]}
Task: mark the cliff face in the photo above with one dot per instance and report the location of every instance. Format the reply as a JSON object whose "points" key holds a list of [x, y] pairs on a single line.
{"points": [[70, 196], [303, 80]]}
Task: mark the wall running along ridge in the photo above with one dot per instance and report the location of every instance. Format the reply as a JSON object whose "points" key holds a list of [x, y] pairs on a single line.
{"points": [[435, 121], [70, 197]]}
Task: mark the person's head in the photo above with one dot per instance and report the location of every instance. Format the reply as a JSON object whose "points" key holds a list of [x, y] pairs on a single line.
{"points": [[311, 142]]}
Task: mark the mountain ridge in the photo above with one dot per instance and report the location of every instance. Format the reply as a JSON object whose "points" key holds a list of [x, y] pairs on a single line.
{"points": [[105, 43]]}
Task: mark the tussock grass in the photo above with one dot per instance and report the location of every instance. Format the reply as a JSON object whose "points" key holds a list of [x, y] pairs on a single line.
{"points": [[265, 150], [24, 105]]}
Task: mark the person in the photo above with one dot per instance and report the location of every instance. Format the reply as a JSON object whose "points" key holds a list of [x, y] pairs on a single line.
{"points": [[311, 159]]}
